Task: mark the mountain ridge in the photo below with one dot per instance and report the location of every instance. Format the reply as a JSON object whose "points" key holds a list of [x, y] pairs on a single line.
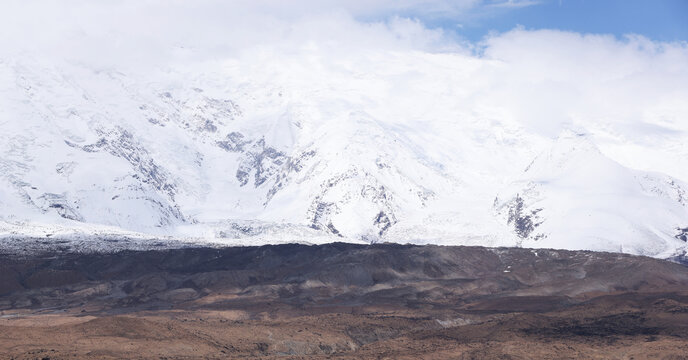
{"points": [[239, 160]]}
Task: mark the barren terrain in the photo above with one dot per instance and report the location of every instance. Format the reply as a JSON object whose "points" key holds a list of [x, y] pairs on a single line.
{"points": [[342, 301]]}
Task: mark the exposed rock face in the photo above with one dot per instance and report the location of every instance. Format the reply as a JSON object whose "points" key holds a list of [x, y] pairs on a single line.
{"points": [[261, 160], [234, 142], [121, 143], [58, 203], [523, 220], [682, 234]]}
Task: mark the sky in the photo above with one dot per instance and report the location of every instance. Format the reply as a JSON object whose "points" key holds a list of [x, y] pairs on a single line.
{"points": [[216, 25], [662, 20]]}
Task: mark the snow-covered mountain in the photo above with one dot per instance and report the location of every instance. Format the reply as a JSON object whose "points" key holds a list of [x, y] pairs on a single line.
{"points": [[573, 196], [306, 152]]}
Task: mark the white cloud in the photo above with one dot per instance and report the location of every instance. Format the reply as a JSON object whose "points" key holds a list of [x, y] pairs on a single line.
{"points": [[622, 90], [141, 29], [514, 3], [135, 31], [554, 78]]}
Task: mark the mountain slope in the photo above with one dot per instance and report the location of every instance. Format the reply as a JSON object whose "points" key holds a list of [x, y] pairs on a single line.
{"points": [[572, 196], [224, 155]]}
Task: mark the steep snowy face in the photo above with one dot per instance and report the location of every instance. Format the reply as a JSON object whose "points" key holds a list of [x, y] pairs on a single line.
{"points": [[100, 147], [572, 196], [400, 152]]}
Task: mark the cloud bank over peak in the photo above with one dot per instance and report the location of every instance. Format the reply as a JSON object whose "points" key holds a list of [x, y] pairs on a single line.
{"points": [[160, 31], [622, 90], [150, 29]]}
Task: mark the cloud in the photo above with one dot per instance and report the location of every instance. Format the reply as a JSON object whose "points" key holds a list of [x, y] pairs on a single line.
{"points": [[75, 28], [141, 31], [622, 90], [553, 79], [514, 3]]}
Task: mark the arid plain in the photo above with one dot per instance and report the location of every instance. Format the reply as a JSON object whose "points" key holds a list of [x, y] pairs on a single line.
{"points": [[342, 301]]}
